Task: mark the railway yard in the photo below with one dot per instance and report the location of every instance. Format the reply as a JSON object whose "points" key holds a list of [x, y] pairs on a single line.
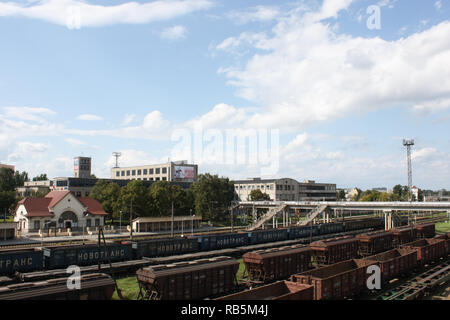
{"points": [[327, 261]]}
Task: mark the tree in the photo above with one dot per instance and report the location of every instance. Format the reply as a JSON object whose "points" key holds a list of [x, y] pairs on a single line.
{"points": [[20, 178], [258, 195], [213, 196], [41, 177], [160, 195], [107, 194], [134, 197], [7, 182], [340, 194]]}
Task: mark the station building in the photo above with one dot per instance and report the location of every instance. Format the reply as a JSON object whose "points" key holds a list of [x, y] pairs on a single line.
{"points": [[286, 189], [58, 209]]}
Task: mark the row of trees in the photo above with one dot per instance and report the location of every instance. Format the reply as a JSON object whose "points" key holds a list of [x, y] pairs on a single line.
{"points": [[210, 196], [399, 193]]}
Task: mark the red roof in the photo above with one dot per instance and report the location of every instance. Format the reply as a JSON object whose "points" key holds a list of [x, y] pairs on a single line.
{"points": [[40, 207], [93, 206], [56, 196], [37, 207]]}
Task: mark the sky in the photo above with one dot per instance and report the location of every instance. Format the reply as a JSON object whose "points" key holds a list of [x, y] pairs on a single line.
{"points": [[310, 90]]}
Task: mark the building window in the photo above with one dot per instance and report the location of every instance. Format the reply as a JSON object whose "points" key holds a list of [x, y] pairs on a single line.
{"points": [[123, 173], [128, 173], [139, 172], [164, 178], [97, 222], [151, 171], [164, 170], [145, 171], [88, 223], [87, 194], [133, 172], [157, 170], [145, 179], [157, 179], [151, 179], [117, 173], [78, 193], [37, 224]]}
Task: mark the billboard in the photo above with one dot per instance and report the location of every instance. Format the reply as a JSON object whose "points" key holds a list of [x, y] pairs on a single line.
{"points": [[182, 172]]}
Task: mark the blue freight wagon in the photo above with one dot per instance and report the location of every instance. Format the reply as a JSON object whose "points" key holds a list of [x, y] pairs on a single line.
{"points": [[64, 256], [21, 261], [222, 241], [264, 236], [164, 247], [302, 232], [328, 228]]}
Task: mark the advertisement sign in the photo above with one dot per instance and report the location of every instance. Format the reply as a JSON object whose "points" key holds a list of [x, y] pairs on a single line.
{"points": [[184, 172]]}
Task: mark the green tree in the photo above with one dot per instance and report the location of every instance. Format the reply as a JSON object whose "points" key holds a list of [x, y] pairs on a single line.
{"points": [[340, 194], [20, 178], [107, 194], [213, 196], [7, 182], [160, 196], [134, 195], [258, 195], [41, 177]]}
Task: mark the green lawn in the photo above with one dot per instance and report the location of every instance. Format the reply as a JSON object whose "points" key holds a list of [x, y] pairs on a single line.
{"points": [[129, 288], [442, 227]]}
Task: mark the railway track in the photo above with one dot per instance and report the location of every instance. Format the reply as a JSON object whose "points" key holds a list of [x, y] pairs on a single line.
{"points": [[420, 285]]}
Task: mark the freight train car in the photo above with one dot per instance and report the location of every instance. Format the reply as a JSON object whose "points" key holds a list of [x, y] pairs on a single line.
{"points": [[425, 230], [403, 235], [328, 228], [337, 281], [264, 236], [330, 251], [374, 242], [277, 263], [196, 279], [222, 241], [164, 247], [21, 260], [92, 287], [64, 256], [394, 263], [303, 232], [428, 250]]}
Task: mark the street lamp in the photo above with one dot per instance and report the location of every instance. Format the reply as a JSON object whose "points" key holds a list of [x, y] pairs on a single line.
{"points": [[192, 224]]}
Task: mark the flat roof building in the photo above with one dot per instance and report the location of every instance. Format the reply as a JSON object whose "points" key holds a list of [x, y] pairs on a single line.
{"points": [[179, 171], [286, 189]]}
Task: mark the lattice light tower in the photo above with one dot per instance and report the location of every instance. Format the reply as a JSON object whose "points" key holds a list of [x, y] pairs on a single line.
{"points": [[117, 155], [408, 144]]}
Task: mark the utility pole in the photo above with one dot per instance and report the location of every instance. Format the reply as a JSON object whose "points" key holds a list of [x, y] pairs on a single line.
{"points": [[131, 220], [408, 144], [172, 219]]}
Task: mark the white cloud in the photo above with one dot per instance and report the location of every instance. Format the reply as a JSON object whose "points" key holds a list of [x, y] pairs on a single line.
{"points": [[174, 33], [221, 116], [75, 142], [77, 13], [308, 73], [254, 14], [128, 118], [89, 117], [438, 4], [28, 113], [423, 153]]}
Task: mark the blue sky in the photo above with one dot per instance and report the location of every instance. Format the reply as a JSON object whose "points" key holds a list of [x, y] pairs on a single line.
{"points": [[92, 77]]}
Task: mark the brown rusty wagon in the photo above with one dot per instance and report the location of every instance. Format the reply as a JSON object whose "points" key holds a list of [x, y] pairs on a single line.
{"points": [[374, 242], [403, 235], [196, 279], [277, 263], [281, 290], [338, 281], [425, 230], [394, 263], [326, 252], [428, 250]]}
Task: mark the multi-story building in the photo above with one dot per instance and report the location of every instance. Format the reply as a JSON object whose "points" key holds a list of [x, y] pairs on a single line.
{"points": [[31, 187], [179, 171], [82, 167], [286, 189]]}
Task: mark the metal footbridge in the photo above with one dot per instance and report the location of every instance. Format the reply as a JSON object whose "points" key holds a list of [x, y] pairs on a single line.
{"points": [[333, 209]]}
